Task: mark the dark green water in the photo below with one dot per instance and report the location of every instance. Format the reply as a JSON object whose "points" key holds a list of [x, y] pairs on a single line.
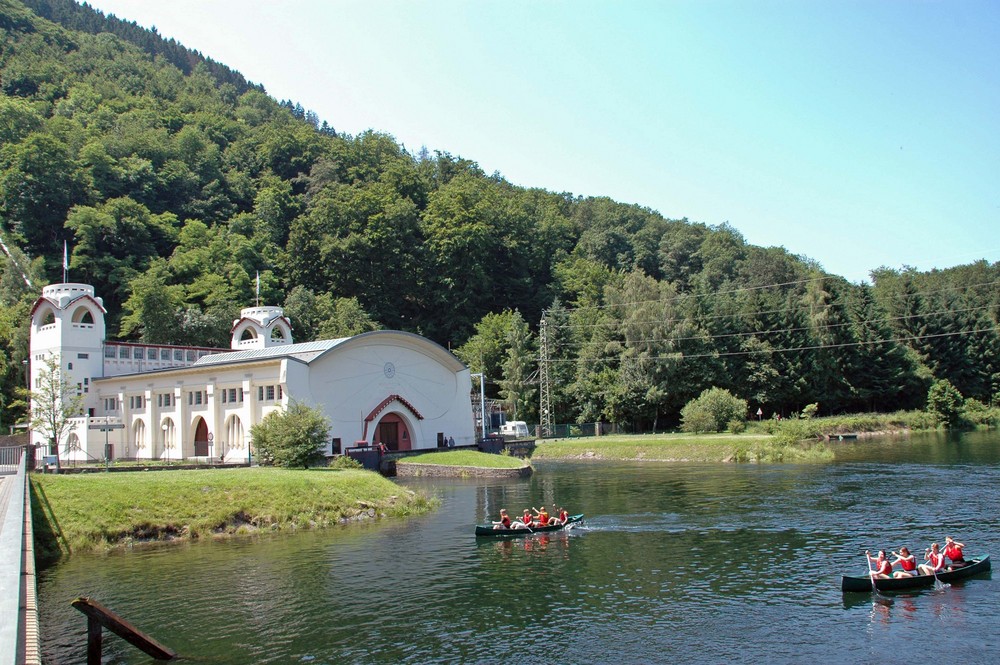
{"points": [[711, 563]]}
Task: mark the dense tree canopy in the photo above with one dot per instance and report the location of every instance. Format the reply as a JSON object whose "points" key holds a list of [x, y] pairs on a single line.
{"points": [[176, 183]]}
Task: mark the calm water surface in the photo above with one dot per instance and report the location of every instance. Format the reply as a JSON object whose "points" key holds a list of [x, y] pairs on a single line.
{"points": [[708, 562]]}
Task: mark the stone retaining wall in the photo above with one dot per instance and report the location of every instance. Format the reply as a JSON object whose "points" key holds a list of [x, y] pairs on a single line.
{"points": [[405, 469]]}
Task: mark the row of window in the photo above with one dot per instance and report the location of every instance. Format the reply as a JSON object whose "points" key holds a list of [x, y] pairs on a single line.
{"points": [[195, 397], [232, 395], [140, 353], [267, 393]]}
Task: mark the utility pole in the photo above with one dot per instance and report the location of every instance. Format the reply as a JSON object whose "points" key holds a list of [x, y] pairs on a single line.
{"points": [[544, 385]]}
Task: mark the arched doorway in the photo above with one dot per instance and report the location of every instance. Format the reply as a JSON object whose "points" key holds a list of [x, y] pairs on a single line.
{"points": [[138, 439], [393, 431], [169, 438], [201, 439], [234, 442]]}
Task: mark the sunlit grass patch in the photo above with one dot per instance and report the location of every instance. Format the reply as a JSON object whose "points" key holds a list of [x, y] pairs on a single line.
{"points": [[471, 458], [102, 510]]}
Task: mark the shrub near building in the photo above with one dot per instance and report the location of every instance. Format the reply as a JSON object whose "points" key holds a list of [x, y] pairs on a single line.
{"points": [[292, 438]]}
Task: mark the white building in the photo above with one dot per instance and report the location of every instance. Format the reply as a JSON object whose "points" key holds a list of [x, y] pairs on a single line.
{"points": [[151, 401]]}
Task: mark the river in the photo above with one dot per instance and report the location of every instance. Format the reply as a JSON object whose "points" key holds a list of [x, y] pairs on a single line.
{"points": [[711, 563]]}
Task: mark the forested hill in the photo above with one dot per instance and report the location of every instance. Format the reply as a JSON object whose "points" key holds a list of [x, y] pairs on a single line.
{"points": [[85, 18], [175, 182]]}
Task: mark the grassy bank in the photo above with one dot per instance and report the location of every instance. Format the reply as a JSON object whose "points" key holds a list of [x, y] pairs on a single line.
{"points": [[794, 429], [105, 510], [470, 458], [682, 448]]}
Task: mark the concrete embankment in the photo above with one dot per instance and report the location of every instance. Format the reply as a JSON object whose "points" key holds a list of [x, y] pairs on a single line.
{"points": [[404, 469]]}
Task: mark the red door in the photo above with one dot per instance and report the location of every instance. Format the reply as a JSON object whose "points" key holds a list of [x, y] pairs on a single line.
{"points": [[388, 433], [201, 439]]}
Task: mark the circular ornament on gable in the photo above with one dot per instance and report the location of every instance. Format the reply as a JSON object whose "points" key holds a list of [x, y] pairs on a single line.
{"points": [[389, 370]]}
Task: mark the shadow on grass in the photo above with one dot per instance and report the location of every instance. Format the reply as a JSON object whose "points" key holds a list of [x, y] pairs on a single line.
{"points": [[50, 543]]}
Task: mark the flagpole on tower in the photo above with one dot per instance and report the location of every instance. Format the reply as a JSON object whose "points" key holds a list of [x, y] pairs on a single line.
{"points": [[258, 288], [65, 262]]}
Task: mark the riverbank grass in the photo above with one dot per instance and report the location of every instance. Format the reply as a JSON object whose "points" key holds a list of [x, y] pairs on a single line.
{"points": [[682, 448], [470, 458], [105, 510]]}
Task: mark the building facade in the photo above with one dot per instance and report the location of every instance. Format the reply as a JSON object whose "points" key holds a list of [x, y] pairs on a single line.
{"points": [[160, 402]]}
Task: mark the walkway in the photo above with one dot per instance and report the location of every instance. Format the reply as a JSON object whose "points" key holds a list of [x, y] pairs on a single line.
{"points": [[18, 610]]}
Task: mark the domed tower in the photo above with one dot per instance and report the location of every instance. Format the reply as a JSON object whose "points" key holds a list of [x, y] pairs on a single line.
{"points": [[67, 325], [261, 328]]}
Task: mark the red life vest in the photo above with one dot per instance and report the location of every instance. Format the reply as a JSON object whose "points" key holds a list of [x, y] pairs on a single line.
{"points": [[505, 521], [909, 565], [884, 568], [954, 553]]}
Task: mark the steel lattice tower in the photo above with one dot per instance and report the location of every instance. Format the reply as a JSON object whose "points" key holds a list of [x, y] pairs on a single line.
{"points": [[544, 385]]}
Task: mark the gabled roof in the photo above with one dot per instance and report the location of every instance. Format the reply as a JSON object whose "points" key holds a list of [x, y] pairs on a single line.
{"points": [[70, 303], [269, 324]]}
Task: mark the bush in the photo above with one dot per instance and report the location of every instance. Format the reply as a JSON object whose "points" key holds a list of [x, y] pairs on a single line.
{"points": [[737, 426], [291, 438], [697, 418], [713, 410], [977, 413], [945, 402], [345, 462], [810, 410]]}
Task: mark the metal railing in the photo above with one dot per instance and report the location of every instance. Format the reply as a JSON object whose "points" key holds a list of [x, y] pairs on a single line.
{"points": [[18, 609], [10, 459]]}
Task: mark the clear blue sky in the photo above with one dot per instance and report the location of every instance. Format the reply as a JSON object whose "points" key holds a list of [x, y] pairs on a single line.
{"points": [[859, 134]]}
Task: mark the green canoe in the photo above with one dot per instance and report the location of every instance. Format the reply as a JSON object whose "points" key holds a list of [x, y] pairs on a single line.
{"points": [[488, 530]]}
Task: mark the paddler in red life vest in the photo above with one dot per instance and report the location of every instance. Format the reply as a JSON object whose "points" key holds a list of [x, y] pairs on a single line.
{"points": [[882, 566], [563, 516], [523, 522], [953, 551], [541, 516], [934, 559], [907, 563], [504, 522]]}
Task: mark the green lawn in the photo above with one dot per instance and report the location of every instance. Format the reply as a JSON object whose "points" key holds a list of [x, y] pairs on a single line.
{"points": [[680, 448], [102, 510], [470, 458]]}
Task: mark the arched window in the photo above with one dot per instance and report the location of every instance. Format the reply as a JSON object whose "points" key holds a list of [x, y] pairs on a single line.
{"points": [[72, 443], [277, 334], [83, 315], [48, 318], [248, 334]]}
